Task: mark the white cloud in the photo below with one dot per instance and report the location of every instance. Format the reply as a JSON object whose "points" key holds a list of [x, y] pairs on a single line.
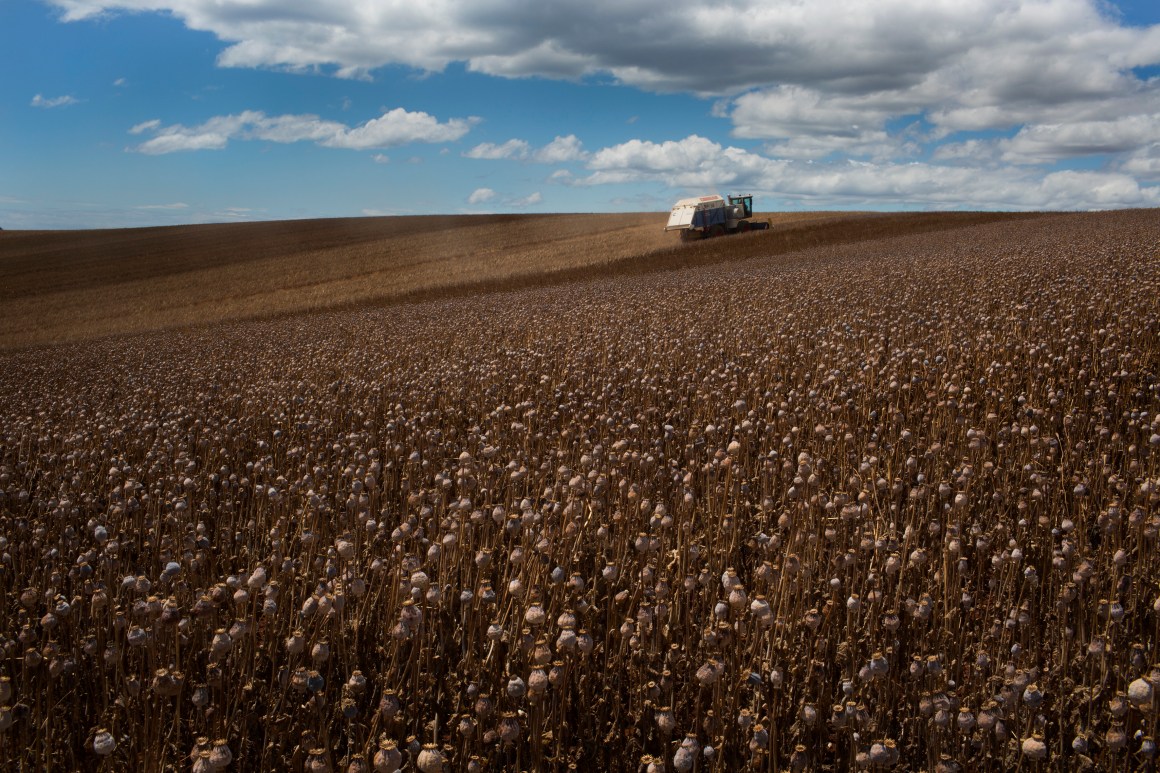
{"points": [[689, 163], [698, 165], [526, 201], [480, 196], [1049, 142], [1144, 163], [561, 150], [558, 151], [978, 151], [400, 127], [815, 81], [517, 149], [175, 206], [833, 69], [850, 47], [146, 126], [51, 102], [381, 158], [393, 128]]}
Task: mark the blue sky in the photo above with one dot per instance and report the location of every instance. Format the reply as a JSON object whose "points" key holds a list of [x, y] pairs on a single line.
{"points": [[151, 112]]}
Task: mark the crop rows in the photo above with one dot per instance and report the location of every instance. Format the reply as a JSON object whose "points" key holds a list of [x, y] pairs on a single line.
{"points": [[887, 505]]}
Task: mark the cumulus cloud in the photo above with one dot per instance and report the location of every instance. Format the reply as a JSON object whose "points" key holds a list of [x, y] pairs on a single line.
{"points": [[393, 128], [50, 102], [526, 201], [689, 163], [683, 44], [558, 151], [561, 150], [696, 165], [820, 81], [1049, 142], [1144, 163], [480, 196], [828, 68], [511, 149]]}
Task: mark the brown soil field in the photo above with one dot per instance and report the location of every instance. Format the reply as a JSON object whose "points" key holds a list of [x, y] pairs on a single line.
{"points": [[65, 286]]}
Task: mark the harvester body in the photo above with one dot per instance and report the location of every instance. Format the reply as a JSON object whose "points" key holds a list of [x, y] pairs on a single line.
{"points": [[704, 216]]}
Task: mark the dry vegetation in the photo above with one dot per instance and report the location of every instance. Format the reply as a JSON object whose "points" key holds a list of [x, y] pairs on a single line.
{"points": [[892, 504], [65, 286]]}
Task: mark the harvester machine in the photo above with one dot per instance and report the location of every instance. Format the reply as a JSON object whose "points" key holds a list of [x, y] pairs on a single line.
{"points": [[706, 216]]}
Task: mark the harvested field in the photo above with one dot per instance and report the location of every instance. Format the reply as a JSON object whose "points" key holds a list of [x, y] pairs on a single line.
{"points": [[883, 502], [65, 286]]}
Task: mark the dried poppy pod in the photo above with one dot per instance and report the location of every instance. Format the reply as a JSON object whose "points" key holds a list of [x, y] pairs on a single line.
{"points": [[516, 688], [884, 753], [541, 654], [483, 707], [686, 755], [535, 615], [812, 619], [356, 684], [103, 742], [799, 759], [202, 762], [538, 682], [200, 745], [467, 726], [320, 652], [557, 674], [167, 683], [566, 641], [221, 644], [220, 755], [318, 761], [430, 759], [387, 758], [665, 720], [389, 704], [1140, 694], [509, 727]]}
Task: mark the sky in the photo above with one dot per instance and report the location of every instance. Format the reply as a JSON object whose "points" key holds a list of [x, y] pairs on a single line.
{"points": [[121, 113]]}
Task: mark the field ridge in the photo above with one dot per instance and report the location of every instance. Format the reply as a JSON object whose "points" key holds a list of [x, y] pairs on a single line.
{"points": [[64, 286]]}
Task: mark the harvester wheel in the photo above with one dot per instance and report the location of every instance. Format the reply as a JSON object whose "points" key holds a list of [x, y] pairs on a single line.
{"points": [[717, 230], [689, 235], [743, 226]]}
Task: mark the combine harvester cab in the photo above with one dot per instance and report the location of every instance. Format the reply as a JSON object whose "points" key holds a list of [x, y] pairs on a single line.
{"points": [[706, 216]]}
